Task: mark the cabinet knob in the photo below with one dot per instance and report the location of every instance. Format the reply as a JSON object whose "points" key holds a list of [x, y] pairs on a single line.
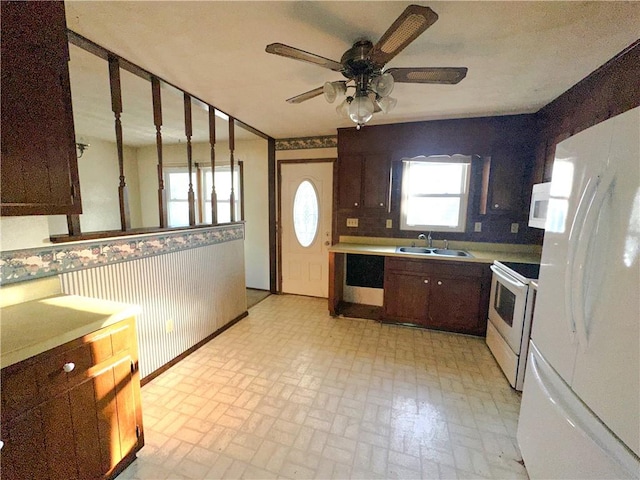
{"points": [[439, 282], [496, 206], [355, 204], [68, 367], [381, 204], [1, 444], [426, 281]]}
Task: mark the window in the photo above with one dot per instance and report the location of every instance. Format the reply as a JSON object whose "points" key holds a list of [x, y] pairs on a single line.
{"points": [[223, 193], [177, 186], [435, 193], [305, 213]]}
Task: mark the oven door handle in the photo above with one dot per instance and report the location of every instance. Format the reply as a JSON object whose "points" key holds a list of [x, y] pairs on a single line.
{"points": [[508, 280]]}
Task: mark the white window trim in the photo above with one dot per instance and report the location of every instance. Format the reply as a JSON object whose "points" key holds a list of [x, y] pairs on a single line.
{"points": [[464, 196]]}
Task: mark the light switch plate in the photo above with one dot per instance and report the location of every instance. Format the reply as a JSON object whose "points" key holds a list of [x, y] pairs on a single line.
{"points": [[477, 227], [514, 228], [389, 223], [352, 222]]}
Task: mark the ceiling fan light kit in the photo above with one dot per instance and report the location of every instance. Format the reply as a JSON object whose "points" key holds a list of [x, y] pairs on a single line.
{"points": [[331, 90], [363, 66], [361, 109]]}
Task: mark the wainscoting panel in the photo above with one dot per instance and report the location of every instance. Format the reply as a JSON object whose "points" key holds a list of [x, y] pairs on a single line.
{"points": [[185, 296]]}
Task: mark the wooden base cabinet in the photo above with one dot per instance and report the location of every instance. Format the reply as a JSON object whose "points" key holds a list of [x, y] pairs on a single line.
{"points": [[444, 295], [74, 412]]}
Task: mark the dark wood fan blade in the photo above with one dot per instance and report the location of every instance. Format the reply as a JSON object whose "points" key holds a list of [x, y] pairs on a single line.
{"points": [[441, 75], [407, 27], [306, 96], [297, 54]]}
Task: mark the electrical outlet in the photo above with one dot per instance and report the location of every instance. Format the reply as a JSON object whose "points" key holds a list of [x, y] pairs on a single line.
{"points": [[169, 325], [514, 227], [352, 222], [389, 223], [477, 227]]}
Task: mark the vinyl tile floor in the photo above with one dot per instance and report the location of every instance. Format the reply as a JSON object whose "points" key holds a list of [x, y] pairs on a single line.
{"points": [[291, 392]]}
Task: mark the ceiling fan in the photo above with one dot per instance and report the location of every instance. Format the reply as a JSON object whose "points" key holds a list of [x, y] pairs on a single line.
{"points": [[363, 66]]}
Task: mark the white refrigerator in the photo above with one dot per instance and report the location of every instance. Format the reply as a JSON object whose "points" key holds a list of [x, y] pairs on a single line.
{"points": [[580, 411]]}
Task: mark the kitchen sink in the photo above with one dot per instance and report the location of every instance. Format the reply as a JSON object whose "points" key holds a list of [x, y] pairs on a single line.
{"points": [[422, 250], [441, 252], [450, 253]]}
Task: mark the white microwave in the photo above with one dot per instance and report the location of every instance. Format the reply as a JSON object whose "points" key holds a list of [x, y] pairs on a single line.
{"points": [[539, 204]]}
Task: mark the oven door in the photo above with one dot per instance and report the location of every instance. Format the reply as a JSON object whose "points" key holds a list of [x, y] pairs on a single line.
{"points": [[507, 307]]}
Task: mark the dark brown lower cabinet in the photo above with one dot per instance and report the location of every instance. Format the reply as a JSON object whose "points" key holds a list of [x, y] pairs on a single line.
{"points": [[443, 295], [82, 424]]}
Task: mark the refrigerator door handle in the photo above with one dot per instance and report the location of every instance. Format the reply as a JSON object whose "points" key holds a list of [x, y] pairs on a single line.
{"points": [[602, 186], [577, 227], [572, 245]]}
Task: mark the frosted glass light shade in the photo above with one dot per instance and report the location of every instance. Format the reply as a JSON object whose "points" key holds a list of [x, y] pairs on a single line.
{"points": [[361, 109], [343, 109], [331, 90], [387, 104], [383, 85]]}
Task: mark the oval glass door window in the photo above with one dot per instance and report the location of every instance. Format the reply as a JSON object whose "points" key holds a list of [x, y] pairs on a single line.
{"points": [[305, 213]]}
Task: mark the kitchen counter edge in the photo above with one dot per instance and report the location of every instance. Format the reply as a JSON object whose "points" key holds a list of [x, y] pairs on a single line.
{"points": [[479, 256], [26, 333]]}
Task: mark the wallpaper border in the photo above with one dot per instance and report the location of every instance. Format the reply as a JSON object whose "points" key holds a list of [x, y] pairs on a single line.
{"points": [[32, 263], [302, 143]]}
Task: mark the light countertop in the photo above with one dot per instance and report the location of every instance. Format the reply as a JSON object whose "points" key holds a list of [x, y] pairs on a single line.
{"points": [[35, 326], [482, 252]]}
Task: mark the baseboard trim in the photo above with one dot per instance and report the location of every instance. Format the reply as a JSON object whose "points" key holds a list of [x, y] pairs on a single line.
{"points": [[189, 351]]}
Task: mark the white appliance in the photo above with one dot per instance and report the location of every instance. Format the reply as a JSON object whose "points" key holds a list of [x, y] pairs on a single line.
{"points": [[510, 312], [580, 411], [539, 204]]}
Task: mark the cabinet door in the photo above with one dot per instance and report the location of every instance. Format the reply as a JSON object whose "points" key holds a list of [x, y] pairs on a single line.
{"points": [[39, 165], [506, 179], [349, 181], [24, 454], [456, 304], [104, 419], [406, 298], [376, 170]]}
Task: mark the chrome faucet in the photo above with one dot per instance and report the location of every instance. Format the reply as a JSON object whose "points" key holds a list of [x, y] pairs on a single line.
{"points": [[429, 240], [446, 244]]}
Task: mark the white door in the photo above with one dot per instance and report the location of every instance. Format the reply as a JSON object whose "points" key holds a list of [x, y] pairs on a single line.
{"points": [[607, 371], [305, 209]]}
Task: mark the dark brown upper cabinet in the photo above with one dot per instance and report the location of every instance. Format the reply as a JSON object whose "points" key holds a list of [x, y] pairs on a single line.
{"points": [[39, 165], [506, 179], [363, 181]]}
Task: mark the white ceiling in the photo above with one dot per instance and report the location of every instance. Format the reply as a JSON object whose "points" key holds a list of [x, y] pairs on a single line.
{"points": [[520, 55]]}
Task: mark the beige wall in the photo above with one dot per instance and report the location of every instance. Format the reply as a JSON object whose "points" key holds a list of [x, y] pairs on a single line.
{"points": [[254, 154]]}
